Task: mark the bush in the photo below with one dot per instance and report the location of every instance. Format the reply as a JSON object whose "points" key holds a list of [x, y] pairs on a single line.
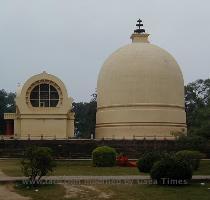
{"points": [[104, 156], [171, 171], [192, 157], [146, 162], [37, 162], [194, 143]]}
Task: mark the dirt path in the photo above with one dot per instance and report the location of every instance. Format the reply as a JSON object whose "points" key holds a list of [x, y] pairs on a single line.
{"points": [[7, 193], [82, 191], [2, 174]]}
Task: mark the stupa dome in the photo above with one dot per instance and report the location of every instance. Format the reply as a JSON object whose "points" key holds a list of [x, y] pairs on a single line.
{"points": [[140, 92]]}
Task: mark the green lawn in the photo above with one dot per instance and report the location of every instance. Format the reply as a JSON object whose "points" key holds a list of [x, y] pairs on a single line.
{"points": [[12, 168], [86, 168], [204, 168], [118, 192]]}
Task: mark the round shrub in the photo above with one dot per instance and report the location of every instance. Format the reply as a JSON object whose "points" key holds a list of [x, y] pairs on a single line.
{"points": [[192, 157], [146, 162], [104, 156], [171, 171]]}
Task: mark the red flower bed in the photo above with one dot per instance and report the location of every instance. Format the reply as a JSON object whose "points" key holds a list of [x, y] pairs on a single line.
{"points": [[132, 164], [122, 160]]}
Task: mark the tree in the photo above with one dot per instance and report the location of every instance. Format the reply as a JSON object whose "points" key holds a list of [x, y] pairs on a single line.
{"points": [[197, 103], [7, 104], [85, 117], [37, 162]]}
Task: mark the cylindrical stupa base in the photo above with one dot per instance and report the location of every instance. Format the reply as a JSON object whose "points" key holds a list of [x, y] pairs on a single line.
{"points": [[159, 131]]}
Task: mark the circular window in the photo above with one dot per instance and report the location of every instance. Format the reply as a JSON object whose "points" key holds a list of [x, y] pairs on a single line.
{"points": [[44, 95]]}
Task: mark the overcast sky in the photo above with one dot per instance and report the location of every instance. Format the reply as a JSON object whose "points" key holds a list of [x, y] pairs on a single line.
{"points": [[72, 38]]}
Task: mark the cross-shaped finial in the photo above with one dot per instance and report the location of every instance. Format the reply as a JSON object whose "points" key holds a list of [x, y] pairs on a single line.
{"points": [[139, 30]]}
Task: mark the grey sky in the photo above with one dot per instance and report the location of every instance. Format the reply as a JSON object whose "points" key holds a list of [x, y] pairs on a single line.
{"points": [[72, 38]]}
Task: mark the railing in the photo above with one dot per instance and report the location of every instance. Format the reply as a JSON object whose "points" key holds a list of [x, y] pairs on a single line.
{"points": [[9, 115], [45, 137]]}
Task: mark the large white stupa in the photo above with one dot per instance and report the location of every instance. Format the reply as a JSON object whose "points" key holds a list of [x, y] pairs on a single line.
{"points": [[140, 92]]}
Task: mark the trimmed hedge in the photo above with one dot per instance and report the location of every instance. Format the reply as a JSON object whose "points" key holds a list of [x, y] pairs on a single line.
{"points": [[104, 156], [146, 162], [171, 171], [192, 157]]}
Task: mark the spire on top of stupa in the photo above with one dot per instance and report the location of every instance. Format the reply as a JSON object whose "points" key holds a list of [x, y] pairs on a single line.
{"points": [[139, 34], [139, 29]]}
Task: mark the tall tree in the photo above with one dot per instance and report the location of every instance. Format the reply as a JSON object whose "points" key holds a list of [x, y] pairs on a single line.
{"points": [[85, 117], [7, 104], [197, 102]]}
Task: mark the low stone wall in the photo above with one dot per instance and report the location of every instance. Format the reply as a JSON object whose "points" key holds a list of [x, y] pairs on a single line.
{"points": [[82, 148]]}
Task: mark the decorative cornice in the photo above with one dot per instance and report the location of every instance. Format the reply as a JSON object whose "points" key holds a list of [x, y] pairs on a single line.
{"points": [[142, 105], [117, 124]]}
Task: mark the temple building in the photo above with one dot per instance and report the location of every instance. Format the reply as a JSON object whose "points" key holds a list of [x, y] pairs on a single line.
{"points": [[43, 110], [140, 92]]}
